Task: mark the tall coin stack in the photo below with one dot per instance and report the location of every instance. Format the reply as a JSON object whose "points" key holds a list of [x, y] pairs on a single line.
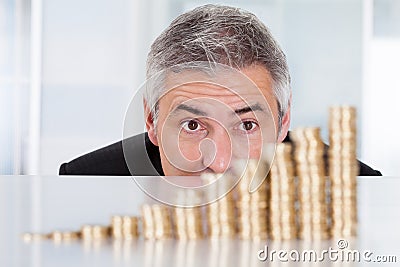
{"points": [[310, 169], [252, 206], [220, 213], [343, 169], [156, 221], [282, 195], [187, 222]]}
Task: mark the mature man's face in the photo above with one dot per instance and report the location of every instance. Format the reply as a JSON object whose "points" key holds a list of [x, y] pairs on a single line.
{"points": [[205, 127]]}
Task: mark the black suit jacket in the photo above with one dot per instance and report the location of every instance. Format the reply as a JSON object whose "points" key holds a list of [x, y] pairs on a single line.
{"points": [[110, 160]]}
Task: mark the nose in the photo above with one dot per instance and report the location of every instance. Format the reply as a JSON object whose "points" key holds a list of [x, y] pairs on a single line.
{"points": [[217, 155]]}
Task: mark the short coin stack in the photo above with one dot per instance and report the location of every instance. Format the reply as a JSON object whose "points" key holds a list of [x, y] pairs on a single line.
{"points": [[156, 221], [221, 213], [94, 232], [64, 236], [57, 236], [252, 206], [282, 197], [343, 169], [194, 223], [148, 223], [310, 169], [124, 227], [187, 222]]}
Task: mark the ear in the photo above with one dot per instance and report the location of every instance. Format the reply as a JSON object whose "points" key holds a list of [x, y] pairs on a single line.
{"points": [[285, 126], [150, 126]]}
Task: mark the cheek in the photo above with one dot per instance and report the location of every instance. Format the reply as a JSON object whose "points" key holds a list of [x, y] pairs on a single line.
{"points": [[244, 148], [255, 149], [189, 149]]}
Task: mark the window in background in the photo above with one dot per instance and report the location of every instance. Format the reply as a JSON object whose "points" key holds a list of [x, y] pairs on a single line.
{"points": [[14, 83], [93, 61], [6, 84], [382, 87]]}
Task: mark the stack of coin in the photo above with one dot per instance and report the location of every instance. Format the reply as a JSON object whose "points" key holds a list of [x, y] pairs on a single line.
{"points": [[282, 195], [187, 221], [212, 210], [179, 223], [226, 207], [148, 223], [343, 169], [29, 237], [162, 219], [156, 221], [252, 206], [194, 221], [310, 169], [94, 232], [220, 213], [124, 227], [64, 236], [56, 236]]}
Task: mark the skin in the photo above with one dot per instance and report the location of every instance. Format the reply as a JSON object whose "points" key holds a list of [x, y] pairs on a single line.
{"points": [[202, 127]]}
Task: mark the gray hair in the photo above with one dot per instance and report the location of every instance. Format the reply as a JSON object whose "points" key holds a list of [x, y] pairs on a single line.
{"points": [[224, 35]]}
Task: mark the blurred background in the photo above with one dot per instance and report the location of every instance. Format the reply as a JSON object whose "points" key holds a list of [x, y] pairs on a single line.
{"points": [[69, 68]]}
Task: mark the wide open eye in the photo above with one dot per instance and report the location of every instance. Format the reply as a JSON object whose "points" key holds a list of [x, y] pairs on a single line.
{"points": [[191, 126], [247, 126]]}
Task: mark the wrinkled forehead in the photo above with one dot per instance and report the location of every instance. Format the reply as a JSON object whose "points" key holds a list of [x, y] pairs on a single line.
{"points": [[224, 80], [205, 72]]}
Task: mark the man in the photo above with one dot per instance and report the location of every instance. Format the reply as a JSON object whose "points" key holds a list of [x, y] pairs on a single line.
{"points": [[197, 121]]}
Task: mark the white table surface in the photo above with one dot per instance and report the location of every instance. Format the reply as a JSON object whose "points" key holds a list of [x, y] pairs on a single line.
{"points": [[48, 203]]}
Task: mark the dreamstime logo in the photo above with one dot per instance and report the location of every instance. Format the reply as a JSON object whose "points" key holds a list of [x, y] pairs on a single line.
{"points": [[339, 254], [206, 119]]}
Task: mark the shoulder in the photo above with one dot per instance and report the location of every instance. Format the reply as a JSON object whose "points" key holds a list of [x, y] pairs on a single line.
{"points": [[108, 160], [112, 159]]}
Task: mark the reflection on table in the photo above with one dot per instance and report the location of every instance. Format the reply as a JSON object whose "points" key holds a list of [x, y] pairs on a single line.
{"points": [[45, 204]]}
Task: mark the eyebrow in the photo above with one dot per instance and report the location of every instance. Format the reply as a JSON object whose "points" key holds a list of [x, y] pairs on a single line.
{"points": [[198, 112], [189, 109], [252, 108]]}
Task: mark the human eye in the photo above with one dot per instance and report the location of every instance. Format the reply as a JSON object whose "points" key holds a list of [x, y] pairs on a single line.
{"points": [[192, 126], [247, 126]]}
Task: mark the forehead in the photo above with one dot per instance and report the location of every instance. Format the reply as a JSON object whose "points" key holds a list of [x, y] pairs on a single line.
{"points": [[231, 86]]}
